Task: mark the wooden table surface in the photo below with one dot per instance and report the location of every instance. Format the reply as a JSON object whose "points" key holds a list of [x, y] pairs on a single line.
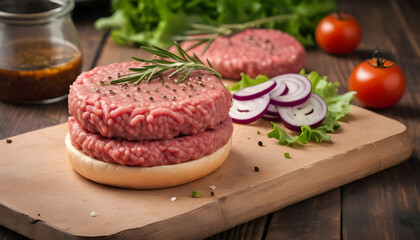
{"points": [[385, 205]]}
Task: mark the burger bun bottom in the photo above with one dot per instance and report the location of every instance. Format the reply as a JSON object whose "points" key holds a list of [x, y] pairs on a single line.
{"points": [[136, 177]]}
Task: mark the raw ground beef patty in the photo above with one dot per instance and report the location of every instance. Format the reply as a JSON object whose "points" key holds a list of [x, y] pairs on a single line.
{"points": [[154, 110], [253, 51], [150, 153]]}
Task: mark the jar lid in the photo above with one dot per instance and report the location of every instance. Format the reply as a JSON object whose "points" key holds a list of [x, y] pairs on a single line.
{"points": [[33, 11]]}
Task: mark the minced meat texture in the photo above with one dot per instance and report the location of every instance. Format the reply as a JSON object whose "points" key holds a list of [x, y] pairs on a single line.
{"points": [[154, 110], [253, 51], [150, 153]]}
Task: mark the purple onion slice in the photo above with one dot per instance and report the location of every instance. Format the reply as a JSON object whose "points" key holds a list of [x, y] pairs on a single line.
{"points": [[298, 90], [272, 110], [280, 89], [271, 117], [255, 91], [310, 113], [248, 111]]}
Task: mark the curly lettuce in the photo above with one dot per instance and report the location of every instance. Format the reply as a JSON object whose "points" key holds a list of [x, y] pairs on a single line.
{"points": [[145, 22]]}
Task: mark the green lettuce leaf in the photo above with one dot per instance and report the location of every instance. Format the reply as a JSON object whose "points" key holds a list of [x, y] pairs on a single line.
{"points": [[307, 134], [247, 81]]}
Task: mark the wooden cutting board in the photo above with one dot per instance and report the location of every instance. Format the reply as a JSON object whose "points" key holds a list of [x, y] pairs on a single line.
{"points": [[43, 198]]}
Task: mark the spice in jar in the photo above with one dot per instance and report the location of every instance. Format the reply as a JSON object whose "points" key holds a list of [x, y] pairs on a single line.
{"points": [[37, 69]]}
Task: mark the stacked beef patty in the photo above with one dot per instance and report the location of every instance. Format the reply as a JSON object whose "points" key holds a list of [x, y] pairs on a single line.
{"points": [[146, 127]]}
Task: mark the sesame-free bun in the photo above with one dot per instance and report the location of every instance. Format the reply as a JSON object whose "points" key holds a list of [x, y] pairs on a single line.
{"points": [[135, 177]]}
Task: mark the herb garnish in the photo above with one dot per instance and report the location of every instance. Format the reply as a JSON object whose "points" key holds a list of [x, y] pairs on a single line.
{"points": [[206, 34], [183, 64]]}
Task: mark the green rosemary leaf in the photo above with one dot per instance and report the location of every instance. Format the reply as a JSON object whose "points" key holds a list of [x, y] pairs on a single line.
{"points": [[151, 75], [159, 72], [185, 76], [178, 70], [204, 27], [218, 75], [213, 32], [208, 62], [121, 80], [162, 53], [151, 61], [183, 53], [142, 76], [209, 42], [182, 63], [197, 59], [142, 69], [197, 32], [198, 43]]}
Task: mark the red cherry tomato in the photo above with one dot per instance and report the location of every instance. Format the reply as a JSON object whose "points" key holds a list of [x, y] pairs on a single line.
{"points": [[338, 33], [379, 83]]}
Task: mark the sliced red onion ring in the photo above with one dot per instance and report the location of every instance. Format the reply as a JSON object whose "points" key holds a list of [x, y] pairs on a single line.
{"points": [[272, 110], [249, 110], [310, 113], [298, 90], [255, 91], [280, 89], [271, 117]]}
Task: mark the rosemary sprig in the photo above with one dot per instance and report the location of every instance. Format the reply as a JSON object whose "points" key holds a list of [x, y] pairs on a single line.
{"points": [[206, 34], [183, 63]]}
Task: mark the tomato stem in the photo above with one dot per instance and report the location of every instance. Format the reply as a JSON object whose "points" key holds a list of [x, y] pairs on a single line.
{"points": [[339, 15], [380, 61]]}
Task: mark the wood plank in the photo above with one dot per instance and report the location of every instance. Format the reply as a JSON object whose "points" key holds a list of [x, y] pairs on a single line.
{"points": [[252, 230], [314, 218], [390, 199], [407, 12], [241, 193], [6, 234]]}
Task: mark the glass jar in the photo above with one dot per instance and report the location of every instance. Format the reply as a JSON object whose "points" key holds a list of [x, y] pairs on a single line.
{"points": [[40, 52]]}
